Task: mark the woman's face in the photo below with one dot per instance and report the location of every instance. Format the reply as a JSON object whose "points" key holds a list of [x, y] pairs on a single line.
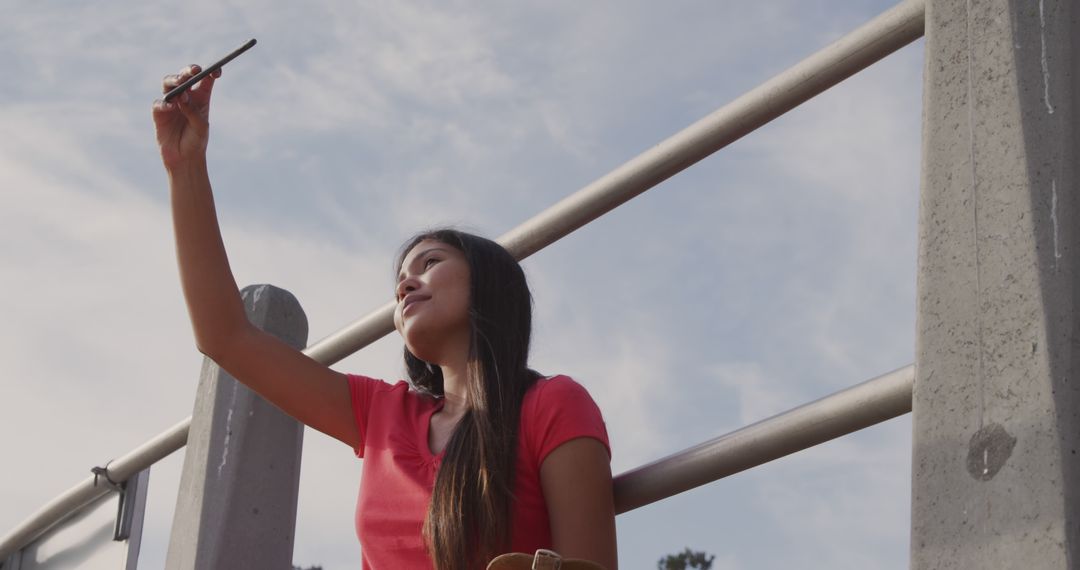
{"points": [[432, 312]]}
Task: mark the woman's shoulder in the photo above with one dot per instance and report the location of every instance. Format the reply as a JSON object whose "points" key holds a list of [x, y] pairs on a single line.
{"points": [[556, 382], [557, 390], [378, 388], [548, 387], [557, 409]]}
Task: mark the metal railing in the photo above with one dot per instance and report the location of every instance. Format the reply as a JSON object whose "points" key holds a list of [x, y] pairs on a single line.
{"points": [[835, 415], [844, 412]]}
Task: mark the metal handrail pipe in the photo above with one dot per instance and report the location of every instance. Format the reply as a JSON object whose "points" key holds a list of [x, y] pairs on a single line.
{"points": [[844, 412], [857, 50], [92, 488], [871, 42]]}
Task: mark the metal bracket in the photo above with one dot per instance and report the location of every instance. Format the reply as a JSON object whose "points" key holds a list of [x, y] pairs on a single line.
{"points": [[104, 472], [129, 490], [122, 530], [13, 562]]}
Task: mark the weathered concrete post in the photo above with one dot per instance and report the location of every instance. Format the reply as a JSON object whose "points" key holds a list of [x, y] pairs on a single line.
{"points": [[996, 466], [236, 507]]}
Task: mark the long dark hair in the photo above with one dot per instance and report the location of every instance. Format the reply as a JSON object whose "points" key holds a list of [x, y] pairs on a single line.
{"points": [[468, 520]]}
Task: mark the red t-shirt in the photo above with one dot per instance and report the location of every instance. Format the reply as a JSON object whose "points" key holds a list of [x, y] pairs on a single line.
{"points": [[399, 468]]}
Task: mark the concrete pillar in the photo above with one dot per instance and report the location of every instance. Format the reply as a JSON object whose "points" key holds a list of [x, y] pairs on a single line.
{"points": [[236, 507], [996, 470]]}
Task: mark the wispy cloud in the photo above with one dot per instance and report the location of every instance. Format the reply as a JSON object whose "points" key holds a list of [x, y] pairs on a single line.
{"points": [[828, 503]]}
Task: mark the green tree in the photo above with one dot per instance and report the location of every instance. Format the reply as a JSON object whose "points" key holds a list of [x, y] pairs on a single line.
{"points": [[686, 560]]}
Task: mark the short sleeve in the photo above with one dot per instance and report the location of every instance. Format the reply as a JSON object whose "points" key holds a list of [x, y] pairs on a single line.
{"points": [[361, 392], [561, 410]]}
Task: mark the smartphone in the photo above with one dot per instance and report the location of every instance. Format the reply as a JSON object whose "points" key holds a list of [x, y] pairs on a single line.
{"points": [[207, 71]]}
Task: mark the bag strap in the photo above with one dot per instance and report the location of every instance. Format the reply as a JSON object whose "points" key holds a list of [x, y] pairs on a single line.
{"points": [[542, 559], [545, 559]]}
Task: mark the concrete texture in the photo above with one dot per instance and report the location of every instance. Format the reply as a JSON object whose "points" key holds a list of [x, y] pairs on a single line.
{"points": [[236, 507], [997, 395]]}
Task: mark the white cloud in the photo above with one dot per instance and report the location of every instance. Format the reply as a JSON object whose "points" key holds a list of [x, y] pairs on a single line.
{"points": [[759, 396], [829, 503], [372, 64]]}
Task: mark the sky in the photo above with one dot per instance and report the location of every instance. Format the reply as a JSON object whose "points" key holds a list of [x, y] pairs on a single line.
{"points": [[775, 272]]}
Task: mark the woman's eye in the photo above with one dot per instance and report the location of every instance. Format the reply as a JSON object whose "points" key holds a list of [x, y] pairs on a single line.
{"points": [[430, 261]]}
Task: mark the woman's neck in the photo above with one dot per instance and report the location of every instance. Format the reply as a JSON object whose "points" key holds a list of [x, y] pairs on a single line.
{"points": [[455, 376]]}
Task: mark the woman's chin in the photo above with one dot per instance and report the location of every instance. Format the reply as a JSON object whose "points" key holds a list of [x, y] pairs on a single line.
{"points": [[420, 346], [433, 343]]}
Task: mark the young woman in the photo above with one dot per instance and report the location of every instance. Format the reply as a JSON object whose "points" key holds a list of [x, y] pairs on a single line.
{"points": [[477, 454]]}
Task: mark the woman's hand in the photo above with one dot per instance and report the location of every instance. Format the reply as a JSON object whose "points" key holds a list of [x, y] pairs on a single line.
{"points": [[183, 124]]}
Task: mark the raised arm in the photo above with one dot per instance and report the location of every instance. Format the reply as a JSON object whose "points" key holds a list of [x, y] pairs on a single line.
{"points": [[306, 390]]}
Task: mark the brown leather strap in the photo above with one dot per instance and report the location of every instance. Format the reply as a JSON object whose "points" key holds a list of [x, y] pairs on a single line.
{"points": [[520, 561]]}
